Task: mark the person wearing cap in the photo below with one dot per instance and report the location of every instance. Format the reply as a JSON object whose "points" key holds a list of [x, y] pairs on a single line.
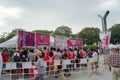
{"points": [[114, 62], [16, 58], [40, 66]]}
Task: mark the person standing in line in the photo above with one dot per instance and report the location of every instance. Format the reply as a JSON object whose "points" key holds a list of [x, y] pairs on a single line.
{"points": [[58, 56], [5, 57], [114, 62], [95, 57], [40, 66], [16, 59], [51, 63], [71, 56], [1, 63], [31, 55]]}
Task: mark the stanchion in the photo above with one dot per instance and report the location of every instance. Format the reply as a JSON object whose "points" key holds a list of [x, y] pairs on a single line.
{"points": [[10, 70]]}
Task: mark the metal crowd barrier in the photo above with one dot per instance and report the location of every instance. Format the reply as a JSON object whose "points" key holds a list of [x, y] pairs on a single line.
{"points": [[10, 67]]}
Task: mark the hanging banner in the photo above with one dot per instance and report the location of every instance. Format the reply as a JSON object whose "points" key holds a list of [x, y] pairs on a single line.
{"points": [[25, 39], [21, 38], [60, 41], [80, 42], [42, 39], [105, 38], [29, 39], [74, 42]]}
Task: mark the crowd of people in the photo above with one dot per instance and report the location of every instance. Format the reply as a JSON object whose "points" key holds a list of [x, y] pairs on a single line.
{"points": [[49, 55]]}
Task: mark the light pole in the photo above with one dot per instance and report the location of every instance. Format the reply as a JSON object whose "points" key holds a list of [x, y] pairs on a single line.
{"points": [[104, 27], [104, 23]]}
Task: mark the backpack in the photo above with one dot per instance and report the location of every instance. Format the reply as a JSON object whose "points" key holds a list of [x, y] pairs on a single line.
{"points": [[16, 58], [78, 55], [90, 55], [23, 58]]}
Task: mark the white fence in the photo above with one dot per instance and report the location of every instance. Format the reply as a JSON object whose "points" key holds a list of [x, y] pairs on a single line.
{"points": [[10, 67]]}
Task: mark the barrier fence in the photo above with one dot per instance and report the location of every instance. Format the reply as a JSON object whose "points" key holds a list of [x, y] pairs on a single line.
{"points": [[60, 67]]}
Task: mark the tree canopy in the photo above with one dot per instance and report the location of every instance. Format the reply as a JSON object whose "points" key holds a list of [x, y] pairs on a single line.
{"points": [[90, 35], [43, 31], [10, 35], [63, 31], [115, 34]]}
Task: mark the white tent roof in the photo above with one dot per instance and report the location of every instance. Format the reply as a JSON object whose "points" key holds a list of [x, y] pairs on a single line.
{"points": [[13, 42], [10, 43]]}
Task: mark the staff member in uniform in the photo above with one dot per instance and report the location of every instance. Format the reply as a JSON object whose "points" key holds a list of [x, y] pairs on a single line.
{"points": [[114, 62]]}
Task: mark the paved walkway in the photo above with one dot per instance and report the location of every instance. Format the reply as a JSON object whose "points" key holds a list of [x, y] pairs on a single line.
{"points": [[100, 75]]}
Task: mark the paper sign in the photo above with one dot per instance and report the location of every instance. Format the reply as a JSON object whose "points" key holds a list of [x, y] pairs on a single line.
{"points": [[57, 62], [26, 65], [83, 61], [13, 65], [8, 66], [66, 62]]}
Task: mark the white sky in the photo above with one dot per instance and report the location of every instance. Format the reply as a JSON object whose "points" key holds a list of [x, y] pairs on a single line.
{"points": [[49, 14]]}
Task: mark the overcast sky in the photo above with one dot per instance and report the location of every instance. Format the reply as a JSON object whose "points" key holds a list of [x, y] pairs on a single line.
{"points": [[49, 14]]}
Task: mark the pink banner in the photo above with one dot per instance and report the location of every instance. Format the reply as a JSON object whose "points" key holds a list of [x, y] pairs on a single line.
{"points": [[80, 42], [42, 39], [105, 38], [21, 39], [29, 39], [25, 39], [74, 42]]}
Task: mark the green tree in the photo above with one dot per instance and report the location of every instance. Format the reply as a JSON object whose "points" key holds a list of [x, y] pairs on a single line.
{"points": [[8, 36], [90, 35], [43, 31], [63, 31], [74, 36], [115, 34]]}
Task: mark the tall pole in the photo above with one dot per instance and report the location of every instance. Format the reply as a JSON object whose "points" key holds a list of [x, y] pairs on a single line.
{"points": [[103, 29], [104, 26], [105, 22]]}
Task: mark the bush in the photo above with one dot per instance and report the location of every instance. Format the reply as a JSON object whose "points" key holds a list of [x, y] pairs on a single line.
{"points": [[90, 47]]}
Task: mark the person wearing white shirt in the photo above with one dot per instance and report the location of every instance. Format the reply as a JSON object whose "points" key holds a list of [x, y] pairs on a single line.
{"points": [[95, 60]]}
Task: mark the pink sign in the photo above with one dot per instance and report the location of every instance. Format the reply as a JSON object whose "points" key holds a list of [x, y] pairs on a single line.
{"points": [[74, 42], [21, 39], [80, 42], [42, 39], [105, 40], [25, 39], [29, 39]]}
